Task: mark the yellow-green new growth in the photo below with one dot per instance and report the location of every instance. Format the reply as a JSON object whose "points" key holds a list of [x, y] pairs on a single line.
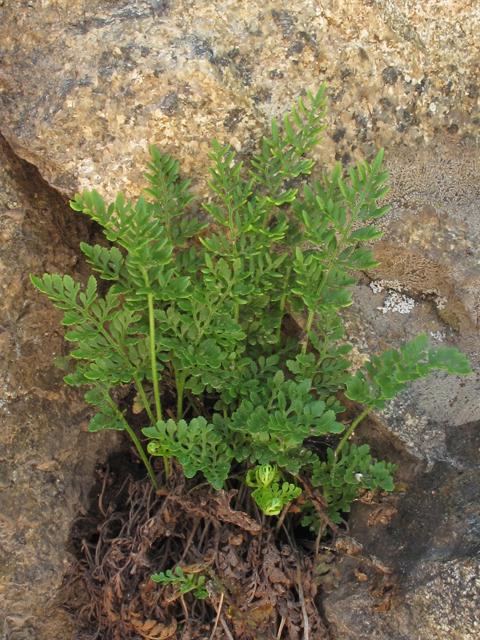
{"points": [[271, 495]]}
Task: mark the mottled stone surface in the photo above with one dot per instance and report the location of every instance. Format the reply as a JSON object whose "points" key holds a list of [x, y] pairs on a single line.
{"points": [[439, 601], [47, 456], [430, 253], [432, 544], [87, 85]]}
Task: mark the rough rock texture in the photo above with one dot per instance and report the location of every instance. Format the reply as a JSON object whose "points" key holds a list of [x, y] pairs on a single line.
{"points": [[47, 456], [431, 254], [432, 543], [87, 85]]}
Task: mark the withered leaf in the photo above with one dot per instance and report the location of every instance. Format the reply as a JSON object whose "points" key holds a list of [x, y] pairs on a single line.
{"points": [[235, 541], [362, 577], [197, 567], [217, 506], [109, 603], [368, 496], [401, 487], [349, 545], [274, 573], [322, 567], [148, 625], [118, 582], [382, 514], [378, 565], [294, 509], [381, 585], [138, 405], [260, 613], [161, 631], [140, 560], [382, 606]]}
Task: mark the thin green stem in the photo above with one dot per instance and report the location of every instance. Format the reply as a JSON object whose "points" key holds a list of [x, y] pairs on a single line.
{"points": [[333, 259], [212, 314], [180, 384], [117, 348], [143, 455], [153, 350], [308, 328], [273, 397], [283, 300], [130, 432], [352, 428], [119, 351], [191, 399], [279, 328], [153, 356], [143, 395], [165, 199]]}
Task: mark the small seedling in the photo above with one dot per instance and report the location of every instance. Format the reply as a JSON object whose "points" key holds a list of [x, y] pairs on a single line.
{"points": [[270, 493], [190, 582]]}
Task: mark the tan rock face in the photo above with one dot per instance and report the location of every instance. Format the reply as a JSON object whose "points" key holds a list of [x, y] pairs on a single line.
{"points": [[87, 86], [47, 456]]}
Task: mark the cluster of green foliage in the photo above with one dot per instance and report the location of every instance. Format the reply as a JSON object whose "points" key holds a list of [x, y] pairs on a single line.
{"points": [[270, 496], [190, 582], [199, 313]]}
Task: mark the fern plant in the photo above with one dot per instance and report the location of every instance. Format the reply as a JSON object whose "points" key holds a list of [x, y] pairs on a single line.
{"points": [[269, 494], [196, 308], [184, 582]]}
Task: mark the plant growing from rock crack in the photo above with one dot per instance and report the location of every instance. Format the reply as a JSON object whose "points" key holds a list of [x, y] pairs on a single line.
{"points": [[200, 314]]}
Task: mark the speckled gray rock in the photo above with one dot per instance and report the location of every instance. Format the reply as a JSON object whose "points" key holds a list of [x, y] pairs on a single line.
{"points": [[431, 255], [440, 602], [47, 456], [432, 544]]}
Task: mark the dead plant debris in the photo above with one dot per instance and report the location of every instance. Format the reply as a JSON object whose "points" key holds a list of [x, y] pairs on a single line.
{"points": [[262, 585]]}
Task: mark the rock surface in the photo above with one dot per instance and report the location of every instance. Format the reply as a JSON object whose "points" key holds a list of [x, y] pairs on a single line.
{"points": [[87, 86], [47, 456], [432, 544], [430, 254]]}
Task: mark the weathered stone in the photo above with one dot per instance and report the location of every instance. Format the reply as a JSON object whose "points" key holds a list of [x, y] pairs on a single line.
{"points": [[432, 543], [47, 457], [430, 253], [87, 86]]}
